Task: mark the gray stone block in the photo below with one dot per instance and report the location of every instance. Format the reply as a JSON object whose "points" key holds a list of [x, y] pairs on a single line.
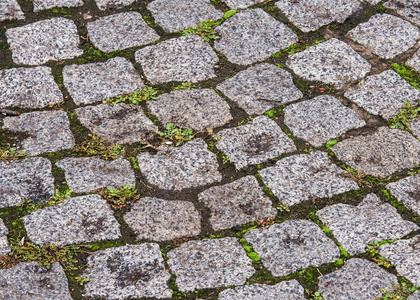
{"points": [[112, 4], [407, 191], [414, 296], [406, 8], [4, 244], [414, 61], [240, 4], [47, 4], [415, 127], [10, 9]]}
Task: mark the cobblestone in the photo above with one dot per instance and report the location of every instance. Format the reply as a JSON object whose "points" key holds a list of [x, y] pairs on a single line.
{"points": [[10, 9], [112, 4], [40, 5], [406, 191], [4, 244], [415, 127], [406, 8], [414, 61], [414, 296], [239, 4]]}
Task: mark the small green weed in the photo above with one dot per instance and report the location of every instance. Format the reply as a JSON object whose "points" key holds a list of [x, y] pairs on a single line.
{"points": [[372, 251], [225, 158], [331, 143], [95, 146], [185, 86], [244, 121], [402, 119], [119, 197], [176, 135], [11, 154], [283, 207], [400, 292], [82, 280], [296, 47], [317, 296], [137, 97], [408, 74]]}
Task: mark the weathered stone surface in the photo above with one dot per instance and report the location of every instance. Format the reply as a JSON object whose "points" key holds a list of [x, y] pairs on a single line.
{"points": [[332, 62], [310, 15], [94, 82], [237, 203], [120, 123], [372, 220], [39, 42], [414, 296], [386, 35], [10, 9], [177, 15], [194, 109], [85, 174], [4, 244], [131, 271], [359, 279], [239, 4], [186, 58], [47, 4], [210, 264], [304, 177], [161, 220], [381, 153], [76, 220], [415, 127], [33, 281], [252, 35], [414, 61], [112, 4], [190, 165], [260, 88], [407, 191], [406, 8], [320, 119], [255, 142], [120, 31], [49, 131]]}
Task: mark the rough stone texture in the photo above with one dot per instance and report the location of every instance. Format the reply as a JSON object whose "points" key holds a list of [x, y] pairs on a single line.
{"points": [[33, 281], [120, 31], [39, 42], [386, 35], [49, 131], [415, 127], [414, 61], [210, 264], [94, 82], [4, 244], [10, 9], [177, 15], [47, 4], [177, 168], [252, 35], [112, 4], [260, 88], [194, 109], [84, 174], [383, 94], [414, 296], [120, 123], [186, 58], [240, 4], [161, 220], [332, 62], [131, 271], [304, 177], [255, 142], [25, 179], [310, 15], [409, 9], [237, 203], [359, 279], [320, 119], [372, 220], [76, 220], [381, 153], [407, 191]]}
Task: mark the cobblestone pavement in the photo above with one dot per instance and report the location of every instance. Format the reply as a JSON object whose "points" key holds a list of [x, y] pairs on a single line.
{"points": [[210, 149]]}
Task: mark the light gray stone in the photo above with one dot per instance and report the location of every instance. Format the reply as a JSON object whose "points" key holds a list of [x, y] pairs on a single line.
{"points": [[320, 119], [4, 244], [120, 31], [29, 280], [120, 123], [131, 271], [304, 177], [10, 9], [255, 142], [177, 168], [372, 2], [94, 82], [76, 220], [177, 15], [112, 4], [210, 264], [47, 4], [240, 4], [407, 191], [252, 35], [409, 9], [186, 58], [415, 127], [381, 153], [85, 174], [372, 220], [414, 61], [386, 35], [161, 220], [414, 296], [260, 88], [193, 109], [49, 131], [237, 203], [332, 62], [359, 279], [39, 42]]}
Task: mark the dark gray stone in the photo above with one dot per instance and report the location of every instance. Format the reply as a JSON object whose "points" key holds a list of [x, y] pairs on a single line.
{"points": [[4, 244], [407, 191], [415, 127], [406, 8], [112, 4], [414, 61], [10, 9], [47, 4], [239, 4]]}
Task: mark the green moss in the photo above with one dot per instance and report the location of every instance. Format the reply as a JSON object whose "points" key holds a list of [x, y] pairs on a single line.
{"points": [[295, 48], [133, 162], [403, 118], [137, 97], [409, 74], [120, 197], [250, 251], [331, 143], [95, 146]]}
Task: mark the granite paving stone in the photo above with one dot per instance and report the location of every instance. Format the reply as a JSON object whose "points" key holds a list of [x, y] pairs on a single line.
{"points": [[237, 203], [381, 153], [407, 191], [4, 244], [414, 296], [291, 246], [209, 264], [414, 61], [10, 9], [47, 4], [131, 271], [305, 177], [38, 42], [186, 58], [161, 220], [415, 127], [320, 119], [48, 131], [407, 8], [85, 174], [240, 4], [372, 220], [112, 4], [94, 82], [194, 109], [76, 220], [260, 88]]}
